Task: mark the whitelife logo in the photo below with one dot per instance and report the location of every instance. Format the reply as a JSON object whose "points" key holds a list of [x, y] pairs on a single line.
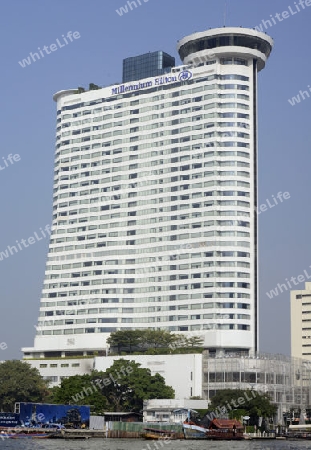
{"points": [[12, 250], [101, 383], [292, 11], [124, 9], [222, 410], [9, 160], [53, 47], [302, 95], [280, 196], [280, 287]]}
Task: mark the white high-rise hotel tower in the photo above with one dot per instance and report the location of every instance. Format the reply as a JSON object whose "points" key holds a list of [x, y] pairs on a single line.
{"points": [[155, 196]]}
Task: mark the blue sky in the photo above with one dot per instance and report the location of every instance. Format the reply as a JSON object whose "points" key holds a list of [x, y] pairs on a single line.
{"points": [[28, 128]]}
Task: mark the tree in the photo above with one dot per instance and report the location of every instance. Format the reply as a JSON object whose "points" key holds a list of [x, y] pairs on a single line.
{"points": [[256, 404], [93, 87], [261, 406], [131, 385], [182, 344], [159, 338], [153, 342], [122, 387], [125, 340], [79, 390], [195, 341], [19, 382]]}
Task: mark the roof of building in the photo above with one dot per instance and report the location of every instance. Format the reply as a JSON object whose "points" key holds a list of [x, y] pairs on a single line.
{"points": [[226, 423], [130, 413]]}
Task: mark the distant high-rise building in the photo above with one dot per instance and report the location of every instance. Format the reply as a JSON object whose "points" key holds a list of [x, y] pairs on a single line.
{"points": [[147, 65], [300, 317], [155, 204]]}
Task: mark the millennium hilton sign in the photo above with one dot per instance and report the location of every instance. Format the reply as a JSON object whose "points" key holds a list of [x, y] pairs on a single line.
{"points": [[182, 76]]}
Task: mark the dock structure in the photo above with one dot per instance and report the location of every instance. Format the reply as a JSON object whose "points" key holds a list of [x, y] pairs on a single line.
{"points": [[128, 430]]}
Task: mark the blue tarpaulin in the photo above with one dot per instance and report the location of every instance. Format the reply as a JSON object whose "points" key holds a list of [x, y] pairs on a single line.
{"points": [[47, 413]]}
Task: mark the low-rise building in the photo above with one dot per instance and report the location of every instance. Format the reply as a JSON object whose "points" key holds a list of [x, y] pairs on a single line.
{"points": [[54, 370], [170, 410]]}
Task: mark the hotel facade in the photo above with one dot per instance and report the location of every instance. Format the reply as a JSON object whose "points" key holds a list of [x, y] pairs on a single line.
{"points": [[155, 204]]}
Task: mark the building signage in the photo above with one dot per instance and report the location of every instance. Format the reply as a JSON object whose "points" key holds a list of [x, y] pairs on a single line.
{"points": [[185, 75], [9, 420]]}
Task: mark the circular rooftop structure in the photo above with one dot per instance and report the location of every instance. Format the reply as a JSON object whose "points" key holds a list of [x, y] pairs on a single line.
{"points": [[223, 42], [64, 93]]}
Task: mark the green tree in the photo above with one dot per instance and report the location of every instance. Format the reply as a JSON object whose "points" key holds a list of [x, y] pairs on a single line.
{"points": [[195, 341], [256, 404], [126, 385], [93, 87], [158, 339], [153, 342], [130, 385], [125, 340], [19, 382], [261, 406], [79, 390], [122, 387]]}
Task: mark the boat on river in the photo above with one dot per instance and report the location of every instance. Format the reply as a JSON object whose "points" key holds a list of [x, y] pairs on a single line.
{"points": [[216, 429], [224, 430], [156, 434], [29, 433]]}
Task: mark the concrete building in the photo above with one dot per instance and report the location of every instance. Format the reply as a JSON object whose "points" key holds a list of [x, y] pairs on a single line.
{"points": [[300, 316], [55, 370], [154, 207], [155, 225]]}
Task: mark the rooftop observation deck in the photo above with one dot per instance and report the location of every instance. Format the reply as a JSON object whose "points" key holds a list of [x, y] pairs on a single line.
{"points": [[227, 41]]}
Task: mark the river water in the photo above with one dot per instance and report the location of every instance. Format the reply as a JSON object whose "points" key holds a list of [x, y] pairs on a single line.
{"points": [[133, 444]]}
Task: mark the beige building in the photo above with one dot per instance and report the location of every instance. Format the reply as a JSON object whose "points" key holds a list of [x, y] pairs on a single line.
{"points": [[300, 310]]}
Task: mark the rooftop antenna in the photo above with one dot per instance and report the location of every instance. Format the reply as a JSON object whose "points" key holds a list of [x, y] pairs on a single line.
{"points": [[225, 13]]}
